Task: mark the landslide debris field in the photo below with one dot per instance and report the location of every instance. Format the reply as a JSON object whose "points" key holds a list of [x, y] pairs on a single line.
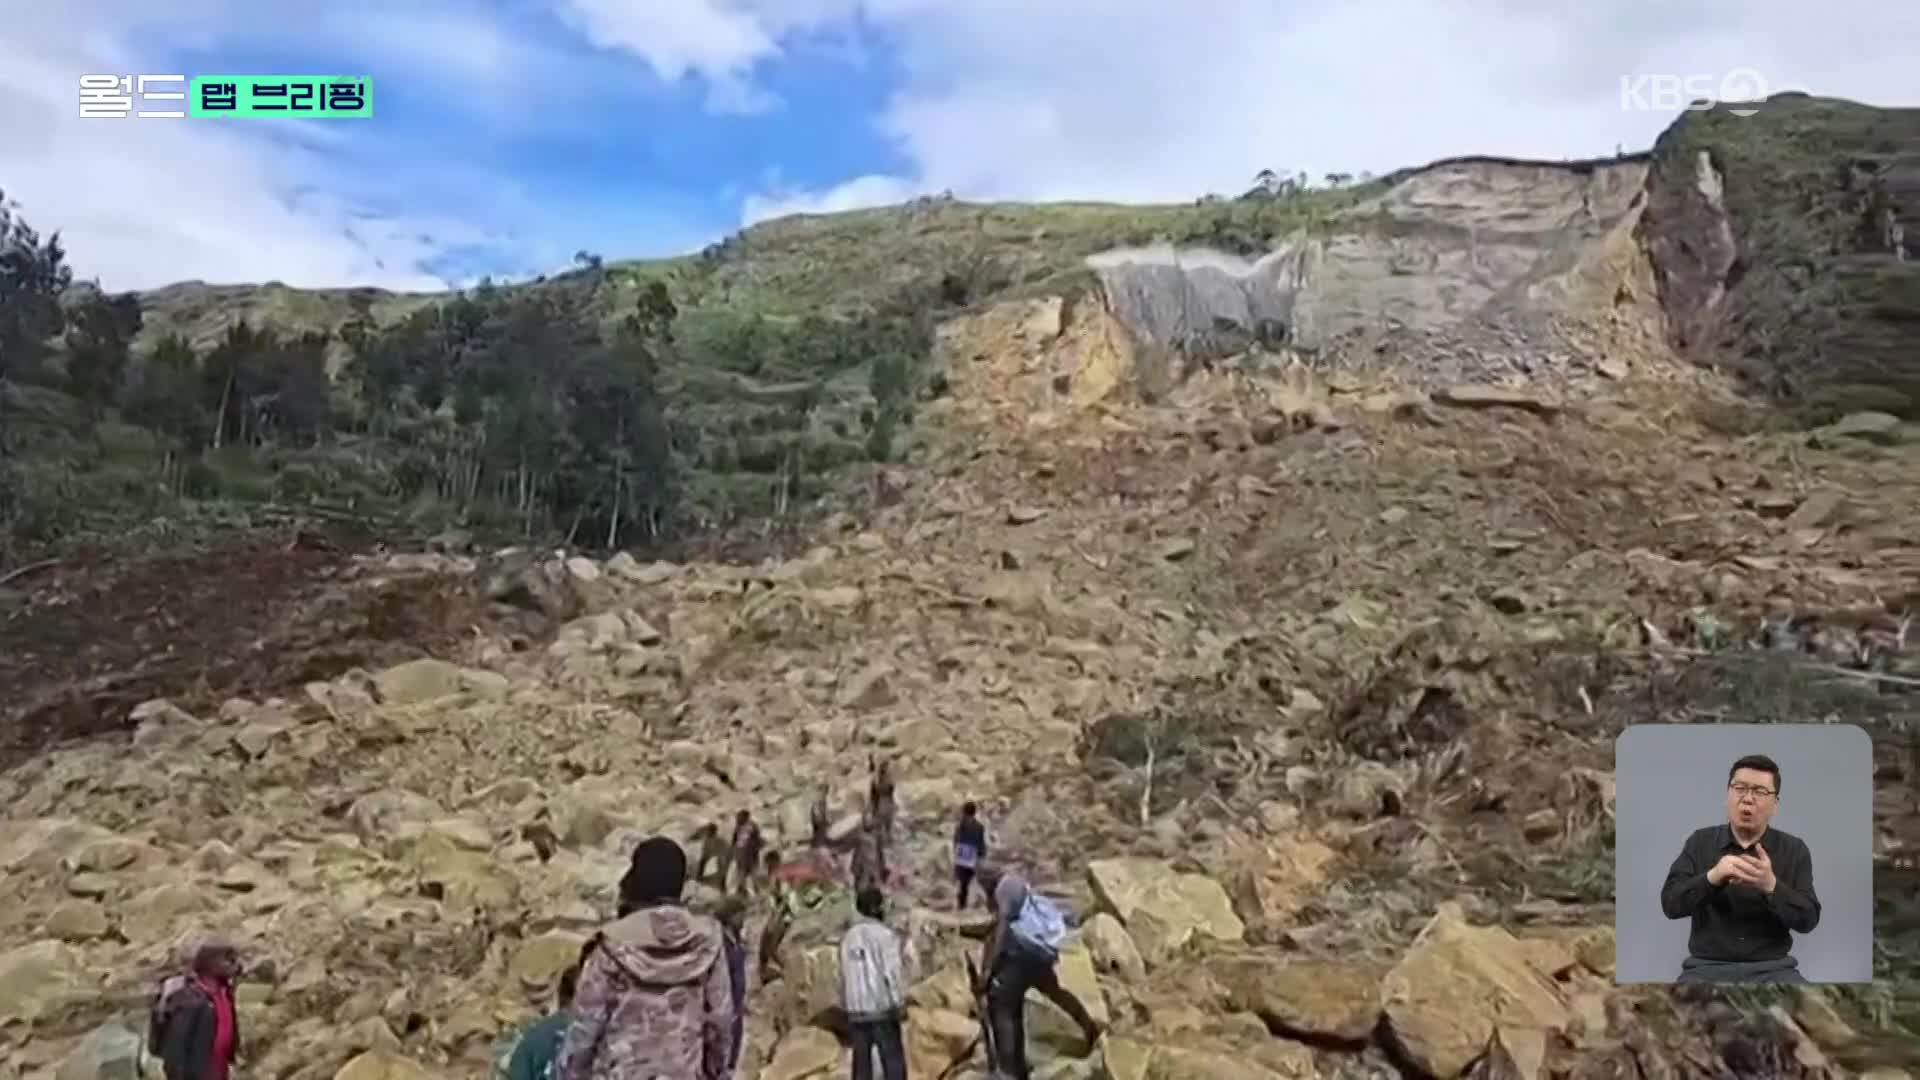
{"points": [[1297, 681], [84, 643]]}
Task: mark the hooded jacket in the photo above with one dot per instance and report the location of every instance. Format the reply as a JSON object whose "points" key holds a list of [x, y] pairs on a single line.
{"points": [[655, 1002]]}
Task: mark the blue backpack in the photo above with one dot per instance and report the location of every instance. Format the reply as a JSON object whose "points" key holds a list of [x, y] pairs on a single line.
{"points": [[1040, 928]]}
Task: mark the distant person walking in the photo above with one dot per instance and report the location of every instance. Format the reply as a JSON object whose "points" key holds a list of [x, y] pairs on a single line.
{"points": [[877, 965], [881, 806], [732, 914], [969, 847], [713, 852], [745, 852], [821, 819], [868, 865]]}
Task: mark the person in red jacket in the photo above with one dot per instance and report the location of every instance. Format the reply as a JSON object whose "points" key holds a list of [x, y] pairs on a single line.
{"points": [[195, 1023]]}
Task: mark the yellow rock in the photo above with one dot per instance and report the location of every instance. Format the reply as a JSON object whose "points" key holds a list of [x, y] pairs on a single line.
{"points": [[1181, 1063], [1457, 983], [37, 979], [1049, 1024], [382, 1065], [1125, 1059], [418, 680], [936, 1037], [77, 920], [539, 962], [41, 844], [161, 913], [1312, 998], [806, 1053], [1182, 901], [1113, 950]]}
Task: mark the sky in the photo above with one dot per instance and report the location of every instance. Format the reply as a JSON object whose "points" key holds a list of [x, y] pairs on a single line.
{"points": [[509, 134]]}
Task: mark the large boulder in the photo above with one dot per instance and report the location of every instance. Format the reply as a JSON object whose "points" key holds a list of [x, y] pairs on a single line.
{"points": [[936, 1038], [42, 844], [162, 913], [382, 1065], [1113, 950], [806, 1053], [809, 974], [1182, 904], [1456, 984], [1132, 1059], [539, 962], [109, 1052], [1274, 879], [78, 920], [416, 681], [36, 980], [1047, 1023], [1311, 999], [1185, 1063]]}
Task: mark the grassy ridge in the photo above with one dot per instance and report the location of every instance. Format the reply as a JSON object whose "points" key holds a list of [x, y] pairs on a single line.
{"points": [[1818, 309], [768, 401]]}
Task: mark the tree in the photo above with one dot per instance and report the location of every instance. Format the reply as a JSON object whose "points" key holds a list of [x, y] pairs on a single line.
{"points": [[33, 275], [165, 396], [100, 330], [293, 396], [234, 381]]}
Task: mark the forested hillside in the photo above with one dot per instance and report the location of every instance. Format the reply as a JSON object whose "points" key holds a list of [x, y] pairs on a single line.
{"points": [[617, 404]]}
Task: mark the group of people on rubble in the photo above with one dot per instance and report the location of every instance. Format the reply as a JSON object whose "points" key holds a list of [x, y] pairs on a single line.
{"points": [[661, 992]]}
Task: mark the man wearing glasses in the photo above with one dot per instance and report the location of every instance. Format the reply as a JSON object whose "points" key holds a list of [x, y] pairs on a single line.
{"points": [[1744, 885]]}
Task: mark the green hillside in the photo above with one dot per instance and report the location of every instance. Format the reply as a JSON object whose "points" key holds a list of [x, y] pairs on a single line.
{"points": [[783, 357]]}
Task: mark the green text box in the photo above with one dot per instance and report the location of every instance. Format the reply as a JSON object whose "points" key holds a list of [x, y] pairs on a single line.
{"points": [[310, 96]]}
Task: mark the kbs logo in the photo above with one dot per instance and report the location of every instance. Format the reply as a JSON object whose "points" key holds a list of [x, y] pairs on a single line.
{"points": [[1664, 93]]}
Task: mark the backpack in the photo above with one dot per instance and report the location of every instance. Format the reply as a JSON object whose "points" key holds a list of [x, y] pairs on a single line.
{"points": [[159, 1005], [1040, 928]]}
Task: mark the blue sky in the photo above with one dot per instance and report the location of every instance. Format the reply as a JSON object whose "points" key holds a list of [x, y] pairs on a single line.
{"points": [[510, 133]]}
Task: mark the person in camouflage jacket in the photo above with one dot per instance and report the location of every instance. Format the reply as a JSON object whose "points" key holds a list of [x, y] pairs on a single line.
{"points": [[655, 1000]]}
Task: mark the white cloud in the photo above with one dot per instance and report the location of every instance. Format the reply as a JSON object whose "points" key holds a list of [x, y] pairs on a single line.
{"points": [[144, 202], [675, 37], [856, 194], [718, 41], [1146, 100]]}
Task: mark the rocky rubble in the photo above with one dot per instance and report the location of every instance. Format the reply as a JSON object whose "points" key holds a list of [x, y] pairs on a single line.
{"points": [[1330, 606]]}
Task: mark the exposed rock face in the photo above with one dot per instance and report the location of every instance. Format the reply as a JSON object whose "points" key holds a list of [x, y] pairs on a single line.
{"points": [[1206, 302], [1809, 286], [1690, 238], [1455, 243]]}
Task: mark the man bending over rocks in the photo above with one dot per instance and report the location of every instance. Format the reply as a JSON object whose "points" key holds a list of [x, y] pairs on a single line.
{"points": [[1021, 953]]}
